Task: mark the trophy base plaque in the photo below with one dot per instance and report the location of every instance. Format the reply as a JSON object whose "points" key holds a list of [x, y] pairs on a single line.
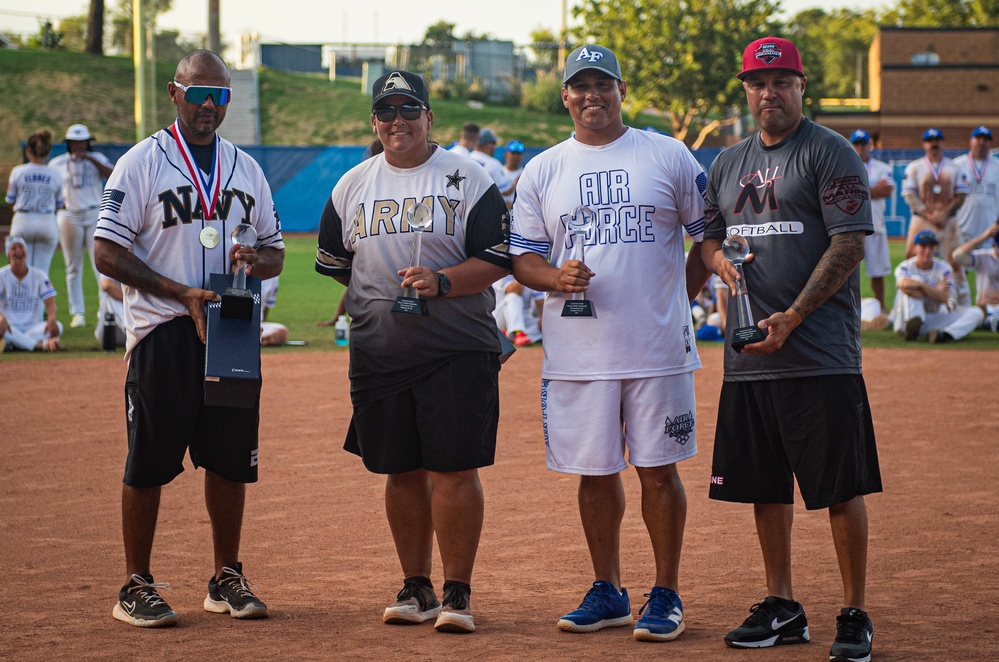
{"points": [[746, 335], [578, 308], [411, 306], [232, 349]]}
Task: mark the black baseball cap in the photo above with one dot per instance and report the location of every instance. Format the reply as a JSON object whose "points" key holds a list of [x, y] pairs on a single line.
{"points": [[401, 82]]}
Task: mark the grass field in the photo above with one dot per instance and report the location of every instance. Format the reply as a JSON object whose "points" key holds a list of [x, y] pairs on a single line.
{"points": [[305, 297]]}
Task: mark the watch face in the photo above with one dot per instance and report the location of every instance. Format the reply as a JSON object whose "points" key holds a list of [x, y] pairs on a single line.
{"points": [[443, 284]]}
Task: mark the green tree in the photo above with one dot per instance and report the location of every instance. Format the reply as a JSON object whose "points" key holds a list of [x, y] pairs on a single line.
{"points": [[439, 34], [74, 33], [680, 57], [121, 22], [544, 49], [831, 45]]}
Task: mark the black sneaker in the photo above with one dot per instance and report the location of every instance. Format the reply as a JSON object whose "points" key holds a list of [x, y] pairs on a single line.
{"points": [[415, 603], [773, 622], [912, 328], [456, 615], [140, 605], [231, 593], [854, 633]]}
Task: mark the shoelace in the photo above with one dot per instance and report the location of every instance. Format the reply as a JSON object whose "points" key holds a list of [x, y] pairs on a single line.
{"points": [[592, 599], [659, 606], [147, 590], [231, 576], [414, 588], [851, 628], [760, 614], [455, 598]]}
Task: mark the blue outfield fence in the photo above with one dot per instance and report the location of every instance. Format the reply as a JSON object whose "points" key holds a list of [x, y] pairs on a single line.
{"points": [[301, 178]]}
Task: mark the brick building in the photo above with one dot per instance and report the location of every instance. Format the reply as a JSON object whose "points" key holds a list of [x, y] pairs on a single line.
{"points": [[923, 77]]}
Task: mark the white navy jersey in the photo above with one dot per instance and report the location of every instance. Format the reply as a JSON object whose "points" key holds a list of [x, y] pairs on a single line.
{"points": [[877, 172], [645, 189], [981, 208], [151, 206], [788, 200], [364, 234], [23, 301], [34, 189], [82, 184]]}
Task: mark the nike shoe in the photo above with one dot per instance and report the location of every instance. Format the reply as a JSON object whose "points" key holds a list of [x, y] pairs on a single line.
{"points": [[231, 593], [140, 605], [661, 617], [415, 603], [773, 622], [602, 607], [456, 615], [78, 321], [854, 633]]}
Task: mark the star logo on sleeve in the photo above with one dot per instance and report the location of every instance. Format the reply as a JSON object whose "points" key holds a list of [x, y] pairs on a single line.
{"points": [[455, 180]]}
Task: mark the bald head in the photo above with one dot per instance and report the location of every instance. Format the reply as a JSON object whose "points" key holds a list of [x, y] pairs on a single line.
{"points": [[198, 64]]}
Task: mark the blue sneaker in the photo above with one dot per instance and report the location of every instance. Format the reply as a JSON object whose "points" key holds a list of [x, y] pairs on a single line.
{"points": [[661, 617], [603, 607]]}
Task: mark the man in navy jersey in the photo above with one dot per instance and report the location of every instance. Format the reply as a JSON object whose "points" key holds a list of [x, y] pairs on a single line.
{"points": [[168, 207]]}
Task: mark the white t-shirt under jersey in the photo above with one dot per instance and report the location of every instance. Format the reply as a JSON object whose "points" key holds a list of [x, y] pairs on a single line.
{"points": [[151, 206], [645, 189]]}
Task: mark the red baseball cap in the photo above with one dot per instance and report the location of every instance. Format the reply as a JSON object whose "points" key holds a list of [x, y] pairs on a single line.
{"points": [[771, 53]]}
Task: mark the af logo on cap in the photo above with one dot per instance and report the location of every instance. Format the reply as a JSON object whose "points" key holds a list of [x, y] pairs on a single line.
{"points": [[396, 82], [768, 53], [587, 55]]}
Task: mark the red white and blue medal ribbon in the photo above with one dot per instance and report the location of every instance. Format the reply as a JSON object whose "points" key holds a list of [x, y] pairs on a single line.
{"points": [[979, 176], [214, 181], [936, 175]]}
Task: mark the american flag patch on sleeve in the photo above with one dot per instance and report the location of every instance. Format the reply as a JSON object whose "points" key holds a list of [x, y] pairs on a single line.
{"points": [[112, 200]]}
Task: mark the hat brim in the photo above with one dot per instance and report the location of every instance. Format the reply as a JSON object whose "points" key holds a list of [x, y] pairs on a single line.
{"points": [[742, 75], [593, 67], [399, 93]]}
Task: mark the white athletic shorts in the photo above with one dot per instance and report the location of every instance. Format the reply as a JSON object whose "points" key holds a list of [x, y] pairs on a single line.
{"points": [[876, 259], [588, 425]]}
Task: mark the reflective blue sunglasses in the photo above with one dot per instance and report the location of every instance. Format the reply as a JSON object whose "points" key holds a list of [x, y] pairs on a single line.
{"points": [[198, 94]]}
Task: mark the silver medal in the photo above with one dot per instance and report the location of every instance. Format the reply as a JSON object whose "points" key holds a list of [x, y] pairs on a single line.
{"points": [[209, 237], [937, 189]]}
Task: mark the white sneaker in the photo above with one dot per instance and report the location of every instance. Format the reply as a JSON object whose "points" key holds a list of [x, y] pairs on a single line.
{"points": [[79, 320]]}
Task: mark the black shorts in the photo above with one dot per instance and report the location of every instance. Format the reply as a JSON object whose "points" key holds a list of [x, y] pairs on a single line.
{"points": [[818, 429], [446, 421], [165, 413]]}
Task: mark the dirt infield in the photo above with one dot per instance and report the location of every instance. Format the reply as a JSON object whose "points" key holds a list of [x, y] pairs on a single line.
{"points": [[318, 548]]}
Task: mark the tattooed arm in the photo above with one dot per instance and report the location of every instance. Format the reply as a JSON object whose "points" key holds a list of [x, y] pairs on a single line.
{"points": [[121, 264], [845, 252]]}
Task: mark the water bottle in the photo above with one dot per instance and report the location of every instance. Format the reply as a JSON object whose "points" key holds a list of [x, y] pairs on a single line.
{"points": [[341, 331], [110, 332]]}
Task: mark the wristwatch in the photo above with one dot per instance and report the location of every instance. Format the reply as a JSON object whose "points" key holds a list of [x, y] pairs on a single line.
{"points": [[443, 284]]}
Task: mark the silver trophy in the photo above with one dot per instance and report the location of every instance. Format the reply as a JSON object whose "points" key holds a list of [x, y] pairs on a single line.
{"points": [[581, 221], [735, 249], [420, 218], [237, 301]]}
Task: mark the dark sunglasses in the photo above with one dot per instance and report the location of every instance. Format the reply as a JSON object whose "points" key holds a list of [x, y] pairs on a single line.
{"points": [[409, 111], [198, 94]]}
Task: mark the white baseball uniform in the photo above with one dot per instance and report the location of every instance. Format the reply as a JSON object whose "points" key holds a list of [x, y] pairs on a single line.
{"points": [[152, 206], [985, 262], [493, 167], [22, 302], [82, 188], [957, 322], [35, 191], [876, 257], [981, 207]]}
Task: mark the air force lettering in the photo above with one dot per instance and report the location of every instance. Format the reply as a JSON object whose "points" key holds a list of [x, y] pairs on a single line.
{"points": [[647, 191], [153, 207]]}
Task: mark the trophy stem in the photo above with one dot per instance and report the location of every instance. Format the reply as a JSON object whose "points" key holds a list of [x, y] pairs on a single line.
{"points": [[239, 278]]}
